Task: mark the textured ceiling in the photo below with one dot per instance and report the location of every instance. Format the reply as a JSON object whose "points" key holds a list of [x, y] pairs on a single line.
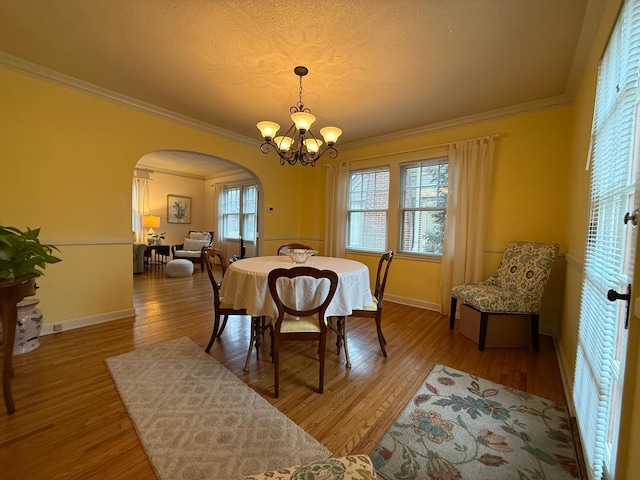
{"points": [[376, 67]]}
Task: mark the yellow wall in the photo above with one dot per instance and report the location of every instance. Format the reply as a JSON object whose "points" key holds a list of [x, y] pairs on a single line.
{"points": [[67, 162], [529, 193]]}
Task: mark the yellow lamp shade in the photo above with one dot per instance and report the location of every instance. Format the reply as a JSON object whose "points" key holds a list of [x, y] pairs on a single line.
{"points": [[150, 221], [330, 134], [312, 144], [283, 143], [303, 120], [268, 129]]}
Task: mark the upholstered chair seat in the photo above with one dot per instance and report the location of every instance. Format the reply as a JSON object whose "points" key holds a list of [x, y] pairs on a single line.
{"points": [[490, 298]]}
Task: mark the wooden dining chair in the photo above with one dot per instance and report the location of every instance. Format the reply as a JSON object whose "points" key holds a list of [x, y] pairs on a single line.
{"points": [[294, 324], [370, 311], [292, 246], [220, 309]]}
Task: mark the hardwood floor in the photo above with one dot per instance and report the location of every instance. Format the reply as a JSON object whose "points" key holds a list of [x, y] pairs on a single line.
{"points": [[70, 423]]}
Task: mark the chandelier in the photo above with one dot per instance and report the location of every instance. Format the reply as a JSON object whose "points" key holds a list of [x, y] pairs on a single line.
{"points": [[307, 147]]}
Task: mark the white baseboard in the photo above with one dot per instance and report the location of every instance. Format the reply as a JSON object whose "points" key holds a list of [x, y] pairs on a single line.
{"points": [[49, 328], [411, 302], [568, 392]]}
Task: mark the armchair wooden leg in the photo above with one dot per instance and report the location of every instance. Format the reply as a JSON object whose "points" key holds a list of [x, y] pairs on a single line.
{"points": [[341, 337], [258, 327], [214, 333], [343, 330], [535, 337], [484, 320], [323, 348], [452, 317], [339, 322], [211, 340], [381, 339], [224, 324], [276, 367]]}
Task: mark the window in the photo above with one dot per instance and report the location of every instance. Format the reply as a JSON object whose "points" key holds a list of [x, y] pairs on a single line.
{"points": [[423, 204], [367, 210], [249, 209], [239, 212], [609, 255], [411, 219]]}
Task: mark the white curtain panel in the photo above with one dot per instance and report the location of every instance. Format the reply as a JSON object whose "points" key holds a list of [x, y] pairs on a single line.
{"points": [[336, 209], [470, 164], [139, 206], [218, 194]]}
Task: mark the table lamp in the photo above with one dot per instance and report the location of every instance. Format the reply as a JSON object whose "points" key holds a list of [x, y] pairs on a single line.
{"points": [[150, 222]]}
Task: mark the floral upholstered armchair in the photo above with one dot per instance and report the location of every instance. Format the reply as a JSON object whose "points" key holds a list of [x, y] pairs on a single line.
{"points": [[351, 467], [516, 288]]}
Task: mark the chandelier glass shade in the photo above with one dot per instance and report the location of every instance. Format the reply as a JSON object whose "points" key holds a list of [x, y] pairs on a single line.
{"points": [[299, 144]]}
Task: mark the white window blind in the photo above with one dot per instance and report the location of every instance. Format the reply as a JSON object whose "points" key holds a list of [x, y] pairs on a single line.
{"points": [[240, 206], [423, 206], [231, 213], [367, 209], [611, 161], [249, 211]]}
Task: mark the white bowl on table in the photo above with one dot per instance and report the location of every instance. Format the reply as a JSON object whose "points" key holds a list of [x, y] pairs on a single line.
{"points": [[299, 255]]}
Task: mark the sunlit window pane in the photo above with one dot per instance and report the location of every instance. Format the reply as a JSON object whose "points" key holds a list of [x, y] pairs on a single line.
{"points": [[423, 203], [367, 209]]}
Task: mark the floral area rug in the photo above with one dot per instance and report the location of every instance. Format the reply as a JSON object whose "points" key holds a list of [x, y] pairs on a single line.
{"points": [[459, 426]]}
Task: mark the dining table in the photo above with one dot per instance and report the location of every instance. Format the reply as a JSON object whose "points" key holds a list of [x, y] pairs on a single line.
{"points": [[246, 286]]}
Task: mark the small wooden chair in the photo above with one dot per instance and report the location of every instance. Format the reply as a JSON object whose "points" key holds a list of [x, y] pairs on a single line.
{"points": [[220, 309], [370, 311], [294, 324]]}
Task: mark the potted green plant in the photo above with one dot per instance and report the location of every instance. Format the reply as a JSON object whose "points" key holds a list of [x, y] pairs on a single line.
{"points": [[157, 238], [22, 259], [22, 255]]}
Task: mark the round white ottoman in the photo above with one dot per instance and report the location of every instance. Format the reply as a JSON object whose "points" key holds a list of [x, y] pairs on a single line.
{"points": [[179, 268]]}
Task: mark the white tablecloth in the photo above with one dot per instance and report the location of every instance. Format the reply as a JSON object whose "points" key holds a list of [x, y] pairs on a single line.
{"points": [[245, 285]]}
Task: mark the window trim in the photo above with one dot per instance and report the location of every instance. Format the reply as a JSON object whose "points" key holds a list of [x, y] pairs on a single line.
{"points": [[224, 214], [393, 161], [434, 160], [349, 211]]}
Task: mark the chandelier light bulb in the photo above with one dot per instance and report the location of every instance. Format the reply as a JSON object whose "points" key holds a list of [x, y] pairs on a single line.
{"points": [[268, 129], [313, 145], [284, 143], [303, 121], [330, 134]]}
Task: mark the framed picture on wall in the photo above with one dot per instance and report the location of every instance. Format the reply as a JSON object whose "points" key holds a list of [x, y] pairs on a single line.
{"points": [[178, 209]]}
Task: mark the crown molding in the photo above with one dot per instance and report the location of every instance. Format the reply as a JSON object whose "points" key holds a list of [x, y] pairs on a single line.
{"points": [[87, 88], [41, 72], [166, 171], [497, 114]]}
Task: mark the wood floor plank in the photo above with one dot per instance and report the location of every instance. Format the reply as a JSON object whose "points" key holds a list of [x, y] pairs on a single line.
{"points": [[70, 423]]}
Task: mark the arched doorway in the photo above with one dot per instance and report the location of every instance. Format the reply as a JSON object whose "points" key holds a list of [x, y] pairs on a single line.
{"points": [[199, 179]]}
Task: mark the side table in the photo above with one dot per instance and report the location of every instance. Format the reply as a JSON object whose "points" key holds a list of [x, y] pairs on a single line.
{"points": [[10, 294], [156, 255]]}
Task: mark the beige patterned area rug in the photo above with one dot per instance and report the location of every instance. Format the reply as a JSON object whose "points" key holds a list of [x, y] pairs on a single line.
{"points": [[197, 420], [462, 427]]}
